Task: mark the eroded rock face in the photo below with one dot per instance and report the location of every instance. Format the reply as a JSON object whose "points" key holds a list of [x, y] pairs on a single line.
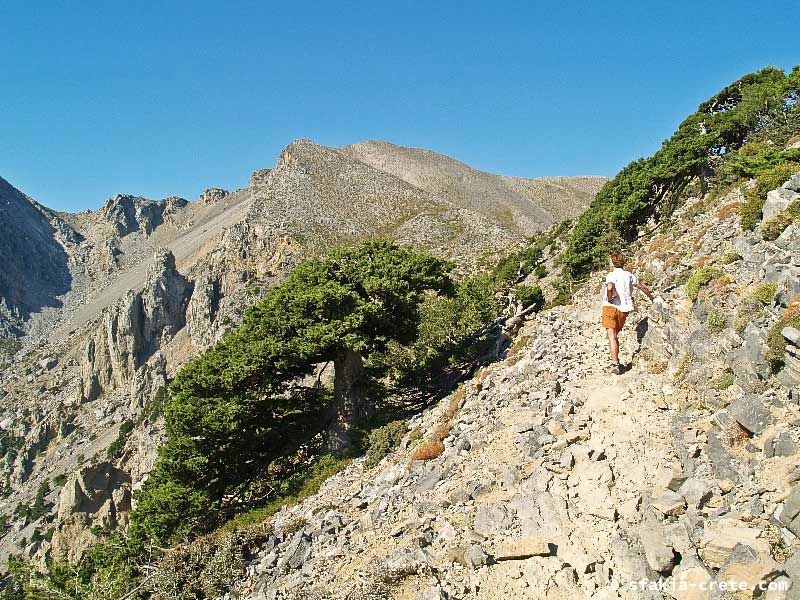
{"points": [[96, 495], [135, 327], [202, 310], [164, 301], [132, 213]]}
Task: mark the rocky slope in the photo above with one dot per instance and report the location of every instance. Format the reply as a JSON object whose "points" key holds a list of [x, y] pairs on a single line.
{"points": [[558, 480], [108, 304], [38, 274]]}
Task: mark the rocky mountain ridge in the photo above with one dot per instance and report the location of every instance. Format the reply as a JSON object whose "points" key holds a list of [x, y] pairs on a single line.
{"points": [[138, 287]]}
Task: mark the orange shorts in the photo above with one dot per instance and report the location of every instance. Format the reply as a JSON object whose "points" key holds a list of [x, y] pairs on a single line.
{"points": [[613, 318]]}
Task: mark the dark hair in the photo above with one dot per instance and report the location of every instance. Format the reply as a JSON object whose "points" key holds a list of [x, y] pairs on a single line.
{"points": [[617, 259]]}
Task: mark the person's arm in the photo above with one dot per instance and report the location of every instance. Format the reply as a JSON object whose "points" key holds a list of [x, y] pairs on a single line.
{"points": [[611, 291], [644, 289]]}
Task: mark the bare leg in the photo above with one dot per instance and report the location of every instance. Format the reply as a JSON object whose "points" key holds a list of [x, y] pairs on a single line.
{"points": [[613, 345]]}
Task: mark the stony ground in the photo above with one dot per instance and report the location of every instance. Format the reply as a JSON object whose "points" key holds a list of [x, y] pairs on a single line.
{"points": [[538, 493]]}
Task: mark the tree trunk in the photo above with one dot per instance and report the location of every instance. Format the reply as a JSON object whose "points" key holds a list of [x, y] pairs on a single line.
{"points": [[350, 400]]}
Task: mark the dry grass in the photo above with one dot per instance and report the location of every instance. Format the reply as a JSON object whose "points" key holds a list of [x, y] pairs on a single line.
{"points": [[428, 450], [701, 261], [722, 283], [433, 445], [662, 246], [735, 435], [481, 376], [792, 309], [728, 211], [441, 431]]}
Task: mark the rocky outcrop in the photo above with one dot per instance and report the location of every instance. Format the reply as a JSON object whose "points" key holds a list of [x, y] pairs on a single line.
{"points": [[134, 328], [259, 178], [778, 200], [98, 495], [128, 214], [202, 310], [213, 195]]}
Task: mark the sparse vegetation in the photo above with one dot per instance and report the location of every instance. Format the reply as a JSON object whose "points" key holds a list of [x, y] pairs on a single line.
{"points": [[749, 309], [716, 322], [763, 293], [114, 450], [700, 279], [683, 369], [730, 258], [723, 382], [775, 341], [750, 213], [383, 440]]}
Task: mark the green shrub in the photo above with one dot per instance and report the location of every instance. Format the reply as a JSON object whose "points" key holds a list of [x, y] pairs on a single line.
{"points": [[730, 257], [383, 440], [109, 570], [755, 197], [716, 322], [700, 279], [415, 435], [529, 295], [114, 450], [763, 294], [9, 346], [776, 343], [723, 382], [39, 507], [563, 294], [518, 264], [540, 271]]}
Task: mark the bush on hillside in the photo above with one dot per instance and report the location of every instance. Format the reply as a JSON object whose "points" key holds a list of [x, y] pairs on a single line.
{"points": [[755, 197], [721, 125], [700, 279], [529, 295], [776, 343], [383, 440]]}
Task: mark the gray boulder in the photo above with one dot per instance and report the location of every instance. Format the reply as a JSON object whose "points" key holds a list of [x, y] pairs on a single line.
{"points": [[751, 413], [777, 201]]}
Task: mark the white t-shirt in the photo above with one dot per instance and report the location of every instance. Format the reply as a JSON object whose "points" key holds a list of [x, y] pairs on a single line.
{"points": [[624, 282]]}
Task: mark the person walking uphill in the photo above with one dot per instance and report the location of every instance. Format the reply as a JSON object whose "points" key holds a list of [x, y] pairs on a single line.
{"points": [[617, 303]]}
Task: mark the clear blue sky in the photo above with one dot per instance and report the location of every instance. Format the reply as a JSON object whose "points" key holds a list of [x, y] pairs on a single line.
{"points": [[163, 98]]}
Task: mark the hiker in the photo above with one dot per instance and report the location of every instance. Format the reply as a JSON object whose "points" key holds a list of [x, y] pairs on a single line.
{"points": [[618, 302]]}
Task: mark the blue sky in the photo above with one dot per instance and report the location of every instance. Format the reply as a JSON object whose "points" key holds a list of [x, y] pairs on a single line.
{"points": [[168, 98]]}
